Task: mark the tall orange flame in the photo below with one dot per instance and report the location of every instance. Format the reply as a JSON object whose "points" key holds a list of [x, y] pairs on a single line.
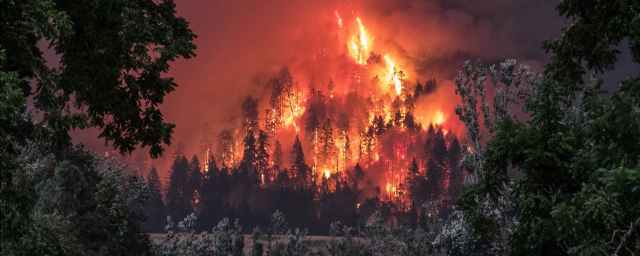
{"points": [[439, 117], [393, 76], [363, 37]]}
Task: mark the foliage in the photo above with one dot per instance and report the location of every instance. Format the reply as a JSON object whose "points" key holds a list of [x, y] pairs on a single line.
{"points": [[509, 89], [155, 208], [579, 156], [83, 205], [113, 59]]}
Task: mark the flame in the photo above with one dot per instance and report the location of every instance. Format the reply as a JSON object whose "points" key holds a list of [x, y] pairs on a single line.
{"points": [[470, 150], [360, 45], [363, 37], [392, 157], [206, 161], [439, 117], [393, 76]]}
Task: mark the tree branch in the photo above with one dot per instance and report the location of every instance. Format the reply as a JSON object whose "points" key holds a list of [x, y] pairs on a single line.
{"points": [[626, 236]]}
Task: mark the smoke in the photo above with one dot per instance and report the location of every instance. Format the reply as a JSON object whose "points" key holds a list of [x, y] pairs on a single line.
{"points": [[241, 44]]}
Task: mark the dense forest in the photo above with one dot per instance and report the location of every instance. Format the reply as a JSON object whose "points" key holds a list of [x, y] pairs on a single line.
{"points": [[263, 182], [564, 180]]}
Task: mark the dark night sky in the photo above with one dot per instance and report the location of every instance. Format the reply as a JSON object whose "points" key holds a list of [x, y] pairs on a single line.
{"points": [[240, 43]]}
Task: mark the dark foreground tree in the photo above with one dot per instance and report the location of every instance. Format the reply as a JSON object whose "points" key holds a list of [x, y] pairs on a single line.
{"points": [[155, 208], [114, 58], [579, 157]]}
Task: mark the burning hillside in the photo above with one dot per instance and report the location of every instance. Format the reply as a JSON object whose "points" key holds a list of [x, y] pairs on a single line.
{"points": [[347, 105]]}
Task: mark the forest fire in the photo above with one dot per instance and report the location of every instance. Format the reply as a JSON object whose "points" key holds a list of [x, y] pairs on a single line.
{"points": [[393, 75], [361, 127], [325, 135]]}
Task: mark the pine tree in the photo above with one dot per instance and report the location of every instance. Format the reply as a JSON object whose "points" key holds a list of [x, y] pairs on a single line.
{"points": [[429, 142], [194, 189], [358, 175], [226, 150], [410, 122], [215, 187], [347, 150], [179, 151], [299, 168], [178, 205], [397, 119], [312, 88], [248, 164], [278, 157], [262, 156], [418, 90], [206, 142], [208, 188], [440, 148], [415, 181], [379, 126], [312, 125], [330, 88], [250, 114], [327, 144], [430, 86], [434, 178], [438, 170], [155, 208]]}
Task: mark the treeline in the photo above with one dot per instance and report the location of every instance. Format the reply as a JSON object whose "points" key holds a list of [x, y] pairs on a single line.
{"points": [[349, 197]]}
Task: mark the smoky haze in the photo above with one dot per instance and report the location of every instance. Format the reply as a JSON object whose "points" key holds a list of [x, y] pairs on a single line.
{"points": [[241, 44]]}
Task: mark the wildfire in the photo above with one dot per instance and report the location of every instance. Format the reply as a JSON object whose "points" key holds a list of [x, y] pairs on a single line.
{"points": [[470, 150], [288, 110], [359, 44], [439, 117], [206, 161], [393, 76], [363, 37]]}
